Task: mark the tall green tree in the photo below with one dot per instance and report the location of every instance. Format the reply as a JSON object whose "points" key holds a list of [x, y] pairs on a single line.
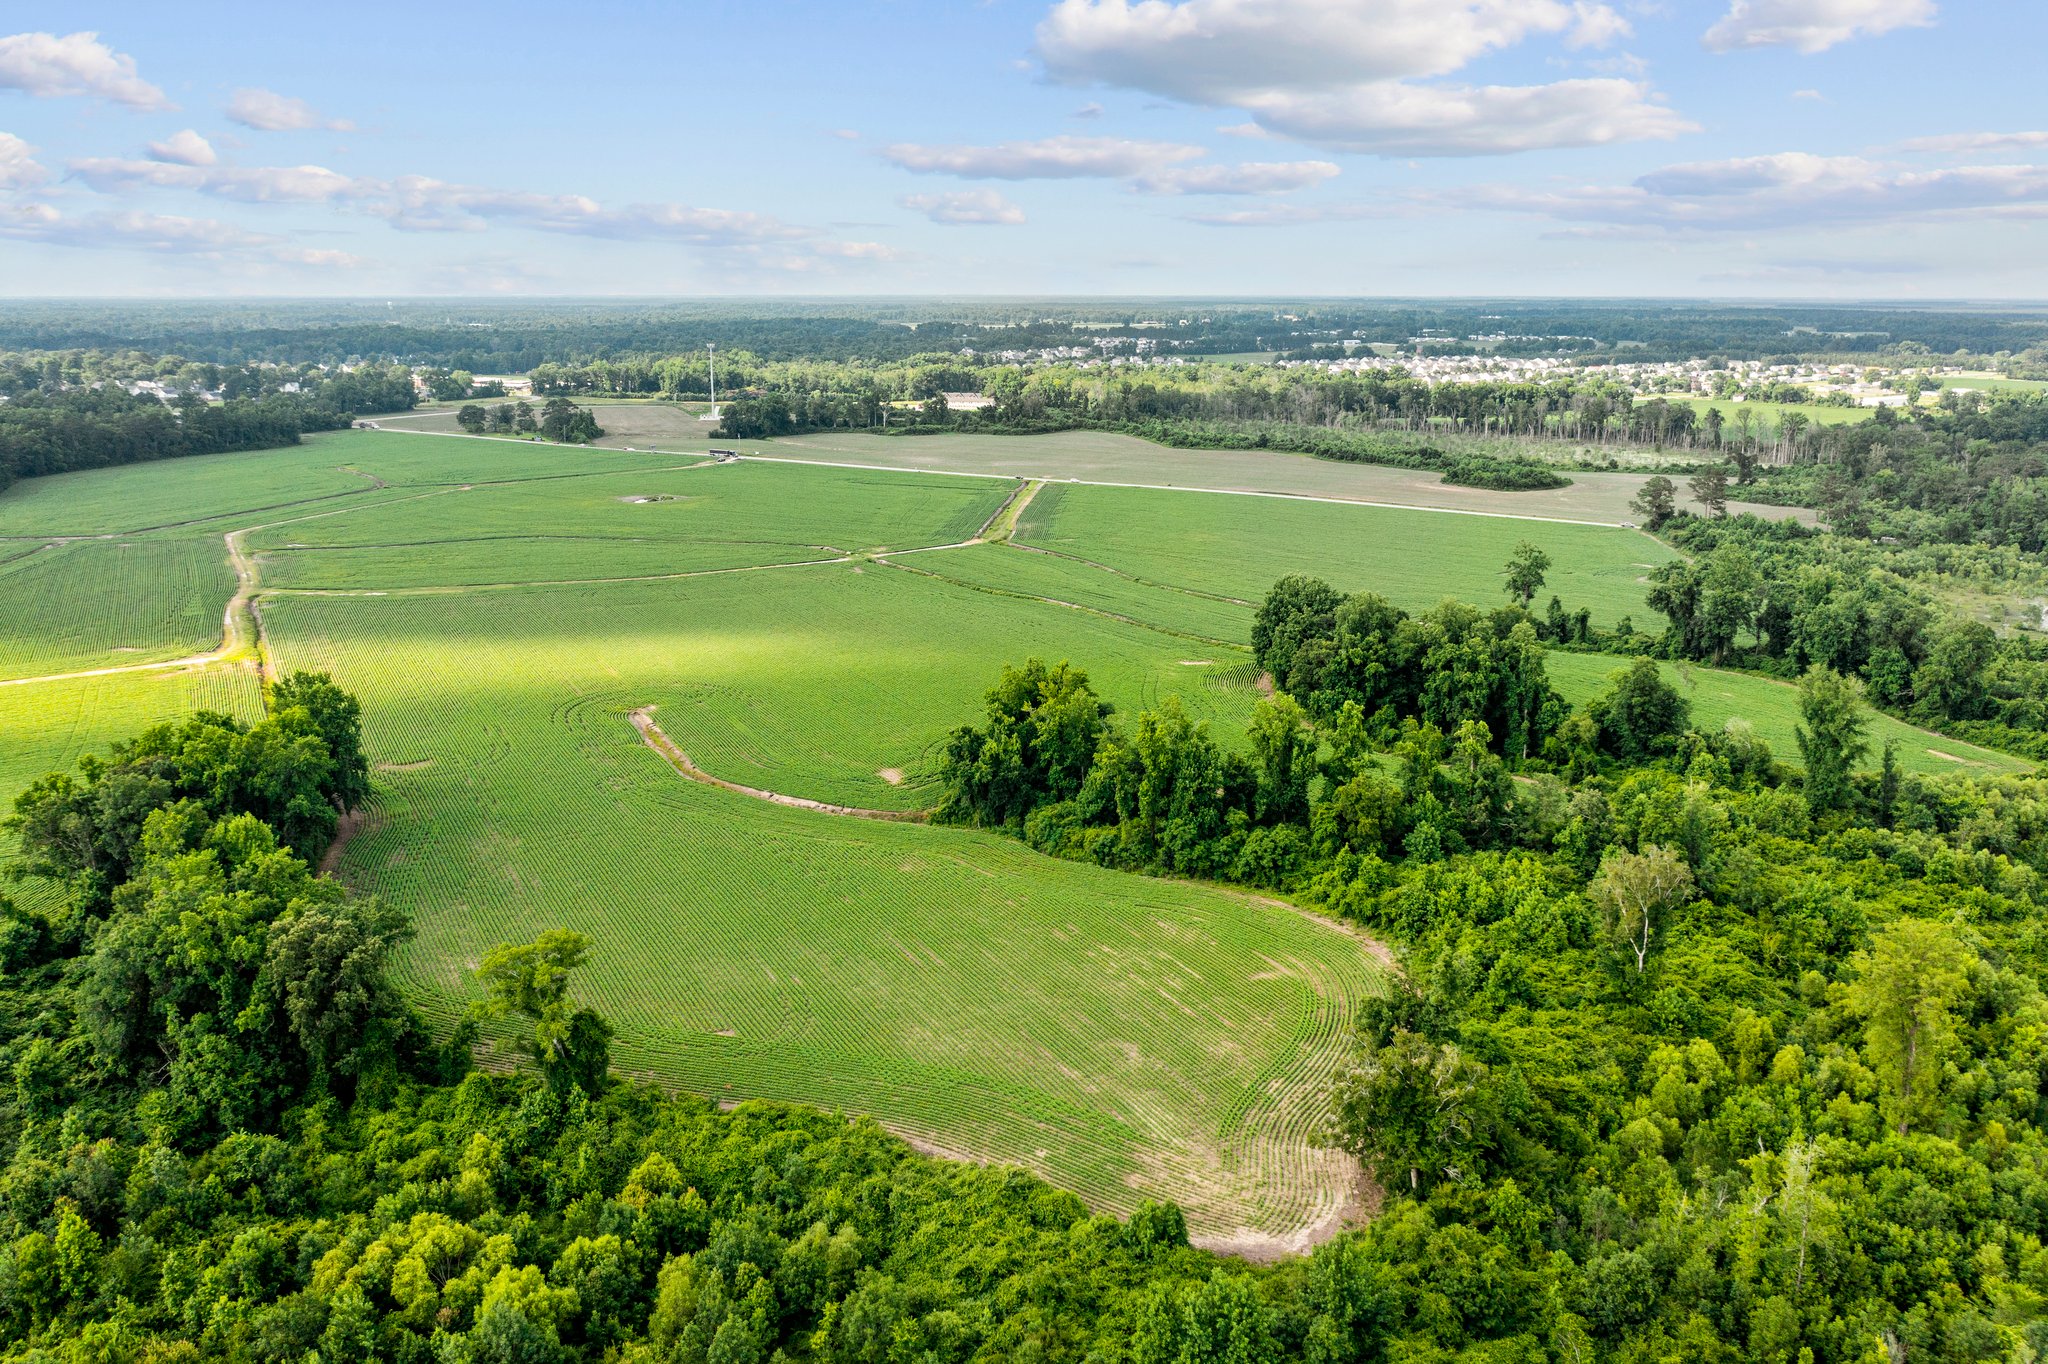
{"points": [[1657, 502], [1709, 488], [1832, 736], [1905, 989], [1415, 1111], [1525, 572], [1635, 893], [569, 1043]]}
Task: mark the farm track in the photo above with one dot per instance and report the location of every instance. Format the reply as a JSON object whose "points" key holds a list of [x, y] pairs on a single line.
{"points": [[643, 720]]}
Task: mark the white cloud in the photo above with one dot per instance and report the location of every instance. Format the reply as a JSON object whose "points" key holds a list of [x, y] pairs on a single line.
{"points": [[185, 148], [981, 207], [1049, 158], [269, 112], [1788, 190], [1250, 177], [244, 184], [1813, 25], [858, 251], [161, 234], [1089, 110], [18, 164], [1217, 51], [1292, 215], [1976, 144], [1596, 26], [1397, 119], [77, 64], [1814, 95], [418, 203], [1360, 75]]}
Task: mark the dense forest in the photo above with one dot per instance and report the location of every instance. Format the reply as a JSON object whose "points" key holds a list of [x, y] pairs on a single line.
{"points": [[59, 416], [487, 336]]}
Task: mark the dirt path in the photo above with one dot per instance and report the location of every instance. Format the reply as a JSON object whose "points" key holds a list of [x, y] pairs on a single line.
{"points": [[643, 720], [239, 628]]}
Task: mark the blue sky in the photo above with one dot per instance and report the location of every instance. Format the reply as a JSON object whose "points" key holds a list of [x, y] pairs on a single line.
{"points": [[1733, 148]]}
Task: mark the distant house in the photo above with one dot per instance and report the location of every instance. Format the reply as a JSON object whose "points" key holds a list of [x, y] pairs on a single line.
{"points": [[967, 402]]}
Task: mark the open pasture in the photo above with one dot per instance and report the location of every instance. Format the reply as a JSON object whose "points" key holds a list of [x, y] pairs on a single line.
{"points": [[1772, 707], [1239, 546], [1126, 1037]]}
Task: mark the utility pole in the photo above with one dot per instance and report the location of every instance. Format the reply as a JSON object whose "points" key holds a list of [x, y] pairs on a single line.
{"points": [[711, 349]]}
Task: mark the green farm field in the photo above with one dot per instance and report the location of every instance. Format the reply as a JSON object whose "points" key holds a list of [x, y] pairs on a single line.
{"points": [[1126, 1037], [503, 608], [1719, 695], [87, 604], [1107, 457], [1238, 547]]}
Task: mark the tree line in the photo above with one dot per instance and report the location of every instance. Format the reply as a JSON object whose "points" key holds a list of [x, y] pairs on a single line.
{"points": [[56, 429], [560, 420]]}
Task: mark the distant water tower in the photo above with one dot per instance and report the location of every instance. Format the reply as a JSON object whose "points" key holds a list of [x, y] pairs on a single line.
{"points": [[711, 352]]}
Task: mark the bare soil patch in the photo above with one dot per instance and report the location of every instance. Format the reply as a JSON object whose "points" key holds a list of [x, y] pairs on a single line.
{"points": [[643, 721], [349, 827]]}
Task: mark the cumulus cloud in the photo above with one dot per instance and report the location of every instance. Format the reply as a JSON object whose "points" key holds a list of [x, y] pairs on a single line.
{"points": [[18, 164], [186, 148], [1813, 25], [1362, 76], [266, 111], [978, 207], [1049, 158], [1783, 190], [76, 64], [1250, 177], [1397, 119]]}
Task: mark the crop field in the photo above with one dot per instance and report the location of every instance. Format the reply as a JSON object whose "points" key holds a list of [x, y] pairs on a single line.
{"points": [[99, 603], [1719, 696], [1124, 1036], [1106, 457], [502, 608], [1238, 547], [1011, 568], [615, 525], [179, 492]]}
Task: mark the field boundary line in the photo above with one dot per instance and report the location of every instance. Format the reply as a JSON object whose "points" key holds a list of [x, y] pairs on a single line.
{"points": [[652, 735]]}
